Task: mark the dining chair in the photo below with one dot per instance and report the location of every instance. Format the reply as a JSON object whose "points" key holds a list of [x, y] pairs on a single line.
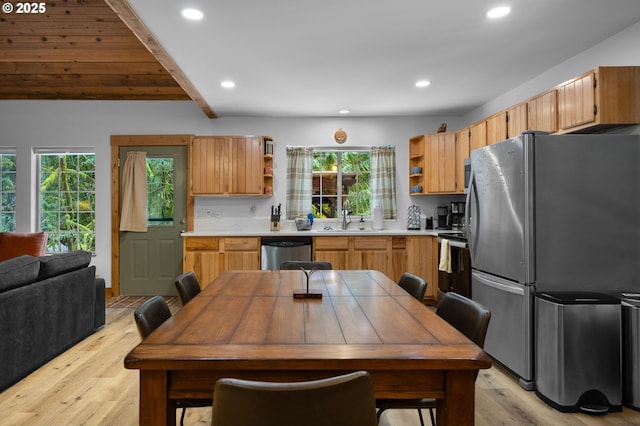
{"points": [[414, 285], [299, 264], [188, 287], [468, 317], [344, 400], [150, 315]]}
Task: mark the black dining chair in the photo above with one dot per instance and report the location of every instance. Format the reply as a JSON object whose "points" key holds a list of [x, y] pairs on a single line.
{"points": [[414, 285], [301, 264], [468, 317], [345, 400], [151, 314], [188, 287]]}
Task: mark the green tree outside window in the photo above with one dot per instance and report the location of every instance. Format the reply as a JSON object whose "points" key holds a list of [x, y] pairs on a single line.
{"points": [[67, 201]]}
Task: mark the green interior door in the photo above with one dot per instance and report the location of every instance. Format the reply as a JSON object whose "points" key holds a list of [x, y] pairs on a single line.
{"points": [[150, 261]]}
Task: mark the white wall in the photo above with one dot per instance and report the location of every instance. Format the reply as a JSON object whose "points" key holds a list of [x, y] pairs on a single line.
{"points": [[29, 124], [619, 49]]}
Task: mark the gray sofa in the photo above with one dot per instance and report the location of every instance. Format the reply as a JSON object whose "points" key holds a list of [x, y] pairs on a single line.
{"points": [[47, 305]]}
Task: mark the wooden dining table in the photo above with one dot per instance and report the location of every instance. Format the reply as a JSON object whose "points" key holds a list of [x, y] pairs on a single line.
{"points": [[248, 324]]}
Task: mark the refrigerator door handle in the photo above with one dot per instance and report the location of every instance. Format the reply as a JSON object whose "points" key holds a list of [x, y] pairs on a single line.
{"points": [[471, 219], [514, 288]]}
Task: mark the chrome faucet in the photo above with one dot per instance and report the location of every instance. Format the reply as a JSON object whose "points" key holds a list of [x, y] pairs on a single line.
{"points": [[346, 210]]}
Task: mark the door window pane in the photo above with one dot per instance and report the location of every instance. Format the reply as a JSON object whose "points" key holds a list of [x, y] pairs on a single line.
{"points": [[160, 191]]}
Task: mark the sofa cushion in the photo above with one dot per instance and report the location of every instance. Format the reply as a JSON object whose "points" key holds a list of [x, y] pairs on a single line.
{"points": [[14, 244], [18, 271], [60, 263]]}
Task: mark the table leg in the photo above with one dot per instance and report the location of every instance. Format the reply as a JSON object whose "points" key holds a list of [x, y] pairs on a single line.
{"points": [[155, 407], [458, 406]]}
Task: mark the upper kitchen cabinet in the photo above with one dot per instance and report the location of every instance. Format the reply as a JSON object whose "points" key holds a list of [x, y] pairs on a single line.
{"points": [[603, 97], [478, 135], [542, 112], [517, 121], [440, 161], [230, 165], [417, 165], [496, 128], [462, 152]]}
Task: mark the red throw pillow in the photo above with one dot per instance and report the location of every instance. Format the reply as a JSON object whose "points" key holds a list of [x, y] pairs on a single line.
{"points": [[14, 244]]}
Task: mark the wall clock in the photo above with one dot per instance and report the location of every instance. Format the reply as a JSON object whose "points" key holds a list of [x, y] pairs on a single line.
{"points": [[340, 136]]}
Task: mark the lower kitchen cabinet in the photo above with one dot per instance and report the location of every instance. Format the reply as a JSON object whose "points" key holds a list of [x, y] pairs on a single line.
{"points": [[422, 260], [208, 257], [332, 249], [392, 255], [370, 253]]}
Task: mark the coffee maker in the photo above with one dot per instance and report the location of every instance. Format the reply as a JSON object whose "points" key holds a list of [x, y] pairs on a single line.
{"points": [[442, 215], [457, 215]]}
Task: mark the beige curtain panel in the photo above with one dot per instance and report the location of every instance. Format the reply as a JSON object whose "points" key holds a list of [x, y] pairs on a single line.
{"points": [[134, 193]]}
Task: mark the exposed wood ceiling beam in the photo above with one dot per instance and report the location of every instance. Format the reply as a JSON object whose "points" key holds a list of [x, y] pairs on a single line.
{"points": [[131, 20]]}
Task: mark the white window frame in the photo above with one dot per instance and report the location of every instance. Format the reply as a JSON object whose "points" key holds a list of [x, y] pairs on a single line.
{"points": [[52, 246], [339, 173], [8, 151]]}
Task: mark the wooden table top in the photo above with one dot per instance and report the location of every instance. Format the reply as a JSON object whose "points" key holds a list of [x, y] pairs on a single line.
{"points": [[246, 320]]}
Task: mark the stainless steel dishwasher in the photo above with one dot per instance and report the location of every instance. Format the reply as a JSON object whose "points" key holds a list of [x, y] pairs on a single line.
{"points": [[277, 249]]}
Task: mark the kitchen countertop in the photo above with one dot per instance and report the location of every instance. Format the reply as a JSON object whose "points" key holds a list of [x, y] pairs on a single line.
{"points": [[315, 233]]}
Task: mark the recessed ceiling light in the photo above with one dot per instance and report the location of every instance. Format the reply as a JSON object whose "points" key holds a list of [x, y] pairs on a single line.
{"points": [[423, 83], [498, 12], [344, 111], [193, 14], [228, 84]]}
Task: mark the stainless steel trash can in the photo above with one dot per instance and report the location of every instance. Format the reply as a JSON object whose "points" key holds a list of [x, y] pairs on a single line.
{"points": [[578, 350], [631, 350]]}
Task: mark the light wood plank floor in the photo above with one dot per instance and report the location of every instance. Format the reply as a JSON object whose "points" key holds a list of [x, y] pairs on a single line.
{"points": [[88, 385]]}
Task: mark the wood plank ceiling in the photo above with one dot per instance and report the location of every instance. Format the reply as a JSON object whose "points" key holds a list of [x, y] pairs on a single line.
{"points": [[83, 50]]}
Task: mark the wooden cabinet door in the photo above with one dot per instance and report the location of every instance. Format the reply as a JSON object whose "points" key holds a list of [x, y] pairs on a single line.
{"points": [[246, 171], [241, 253], [224, 165], [576, 101], [478, 135], [432, 164], [497, 128], [542, 112], [422, 260], [516, 120], [462, 152], [370, 253], [332, 249], [447, 150], [202, 256], [210, 165], [398, 260], [441, 162]]}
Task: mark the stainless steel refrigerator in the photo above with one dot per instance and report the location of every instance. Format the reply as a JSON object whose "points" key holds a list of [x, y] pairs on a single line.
{"points": [[550, 213]]}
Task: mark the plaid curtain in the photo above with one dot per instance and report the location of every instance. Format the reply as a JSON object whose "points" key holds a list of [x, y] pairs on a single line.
{"points": [[299, 181], [383, 180]]}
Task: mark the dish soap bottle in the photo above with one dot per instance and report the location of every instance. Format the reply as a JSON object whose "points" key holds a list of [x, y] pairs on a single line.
{"points": [[361, 224]]}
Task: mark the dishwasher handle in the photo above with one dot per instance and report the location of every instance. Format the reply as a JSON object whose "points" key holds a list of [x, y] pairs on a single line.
{"points": [[286, 241], [285, 244]]}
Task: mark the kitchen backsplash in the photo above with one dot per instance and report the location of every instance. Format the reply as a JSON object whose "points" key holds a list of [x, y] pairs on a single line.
{"points": [[253, 213]]}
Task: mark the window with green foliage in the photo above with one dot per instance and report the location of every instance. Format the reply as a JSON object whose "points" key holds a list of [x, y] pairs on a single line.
{"points": [[8, 191], [67, 200], [339, 176], [160, 191]]}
